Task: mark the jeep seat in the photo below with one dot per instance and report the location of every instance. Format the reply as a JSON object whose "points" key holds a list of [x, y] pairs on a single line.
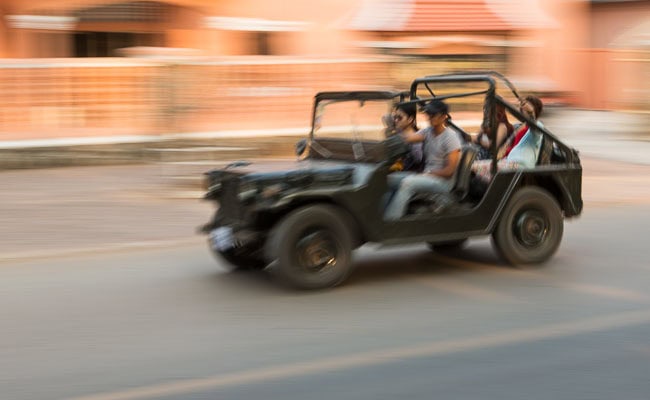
{"points": [[439, 202], [545, 152], [463, 172]]}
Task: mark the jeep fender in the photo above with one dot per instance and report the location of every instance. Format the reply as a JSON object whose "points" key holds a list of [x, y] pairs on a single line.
{"points": [[352, 224], [553, 184]]}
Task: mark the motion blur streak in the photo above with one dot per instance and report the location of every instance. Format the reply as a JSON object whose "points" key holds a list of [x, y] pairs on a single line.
{"points": [[382, 356]]}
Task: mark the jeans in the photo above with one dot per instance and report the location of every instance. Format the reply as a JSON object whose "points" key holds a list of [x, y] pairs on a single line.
{"points": [[394, 180], [411, 185]]}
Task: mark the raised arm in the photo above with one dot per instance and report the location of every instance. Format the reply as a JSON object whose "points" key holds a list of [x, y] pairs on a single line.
{"points": [[415, 137]]}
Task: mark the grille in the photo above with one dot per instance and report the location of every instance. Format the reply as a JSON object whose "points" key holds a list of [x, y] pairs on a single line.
{"points": [[229, 207]]}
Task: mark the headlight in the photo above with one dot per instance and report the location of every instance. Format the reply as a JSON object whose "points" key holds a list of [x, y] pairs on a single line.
{"points": [[247, 190], [212, 189]]}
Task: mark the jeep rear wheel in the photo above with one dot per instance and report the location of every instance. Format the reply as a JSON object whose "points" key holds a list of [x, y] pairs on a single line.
{"points": [[313, 247], [530, 229]]}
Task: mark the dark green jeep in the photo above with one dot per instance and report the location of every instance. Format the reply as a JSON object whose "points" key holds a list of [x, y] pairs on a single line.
{"points": [[305, 221]]}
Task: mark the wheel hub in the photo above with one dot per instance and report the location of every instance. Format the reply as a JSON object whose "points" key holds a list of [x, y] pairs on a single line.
{"points": [[531, 228], [316, 251]]}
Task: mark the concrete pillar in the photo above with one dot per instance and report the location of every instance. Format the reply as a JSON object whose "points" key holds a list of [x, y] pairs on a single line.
{"points": [[4, 32]]}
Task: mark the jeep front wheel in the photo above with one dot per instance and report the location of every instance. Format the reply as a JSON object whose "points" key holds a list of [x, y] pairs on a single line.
{"points": [[530, 229], [313, 246]]}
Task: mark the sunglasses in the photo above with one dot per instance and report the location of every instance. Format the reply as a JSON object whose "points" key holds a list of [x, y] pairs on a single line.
{"points": [[398, 117]]}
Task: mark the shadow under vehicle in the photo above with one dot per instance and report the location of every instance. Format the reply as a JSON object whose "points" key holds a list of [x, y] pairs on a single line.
{"points": [[305, 221]]}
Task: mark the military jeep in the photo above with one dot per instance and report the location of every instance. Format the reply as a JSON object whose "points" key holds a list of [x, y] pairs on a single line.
{"points": [[304, 222]]}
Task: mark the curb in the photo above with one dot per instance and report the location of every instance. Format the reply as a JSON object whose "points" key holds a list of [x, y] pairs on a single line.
{"points": [[170, 150]]}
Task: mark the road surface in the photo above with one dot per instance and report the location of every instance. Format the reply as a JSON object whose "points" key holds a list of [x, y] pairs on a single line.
{"points": [[170, 323]]}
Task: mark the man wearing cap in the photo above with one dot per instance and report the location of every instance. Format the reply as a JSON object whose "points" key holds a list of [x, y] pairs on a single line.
{"points": [[441, 154]]}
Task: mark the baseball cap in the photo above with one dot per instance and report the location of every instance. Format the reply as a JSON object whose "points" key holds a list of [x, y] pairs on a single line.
{"points": [[436, 107]]}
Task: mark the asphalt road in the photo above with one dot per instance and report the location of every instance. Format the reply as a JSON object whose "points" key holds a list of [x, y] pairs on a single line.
{"points": [[170, 323]]}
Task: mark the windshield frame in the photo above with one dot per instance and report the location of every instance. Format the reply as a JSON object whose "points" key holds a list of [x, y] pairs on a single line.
{"points": [[328, 97]]}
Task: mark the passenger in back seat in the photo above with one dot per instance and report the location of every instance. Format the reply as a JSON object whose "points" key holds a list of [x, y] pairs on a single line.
{"points": [[504, 132], [527, 143], [531, 107]]}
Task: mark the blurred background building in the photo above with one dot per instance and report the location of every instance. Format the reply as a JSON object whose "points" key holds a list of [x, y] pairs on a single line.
{"points": [[107, 67]]}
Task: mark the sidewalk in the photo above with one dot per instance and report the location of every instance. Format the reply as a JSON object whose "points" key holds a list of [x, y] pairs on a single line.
{"points": [[605, 135], [208, 146]]}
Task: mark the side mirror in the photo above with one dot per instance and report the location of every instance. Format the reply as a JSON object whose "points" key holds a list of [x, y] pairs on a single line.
{"points": [[301, 146]]}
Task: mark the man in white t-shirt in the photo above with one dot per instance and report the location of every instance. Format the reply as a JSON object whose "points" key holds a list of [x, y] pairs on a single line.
{"points": [[441, 155]]}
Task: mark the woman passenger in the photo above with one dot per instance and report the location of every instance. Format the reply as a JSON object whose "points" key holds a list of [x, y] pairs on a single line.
{"points": [[524, 150], [404, 118], [504, 132]]}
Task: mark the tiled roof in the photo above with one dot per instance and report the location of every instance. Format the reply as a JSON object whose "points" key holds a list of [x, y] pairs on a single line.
{"points": [[454, 15], [440, 16]]}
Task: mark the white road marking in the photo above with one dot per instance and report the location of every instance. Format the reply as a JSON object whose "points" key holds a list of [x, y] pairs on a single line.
{"points": [[379, 357], [55, 253]]}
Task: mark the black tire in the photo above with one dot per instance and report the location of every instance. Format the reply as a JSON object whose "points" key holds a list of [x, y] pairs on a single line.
{"points": [[531, 227], [241, 259], [313, 246], [450, 245]]}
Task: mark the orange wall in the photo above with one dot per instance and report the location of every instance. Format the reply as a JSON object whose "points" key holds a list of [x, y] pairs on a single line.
{"points": [[558, 54], [610, 21], [552, 53], [318, 38], [320, 13]]}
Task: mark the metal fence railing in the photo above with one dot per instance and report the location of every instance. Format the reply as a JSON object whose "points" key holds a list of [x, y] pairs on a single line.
{"points": [[122, 96], [78, 98], [96, 97]]}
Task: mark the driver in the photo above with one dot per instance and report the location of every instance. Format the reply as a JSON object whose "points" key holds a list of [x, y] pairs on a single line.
{"points": [[441, 150]]}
